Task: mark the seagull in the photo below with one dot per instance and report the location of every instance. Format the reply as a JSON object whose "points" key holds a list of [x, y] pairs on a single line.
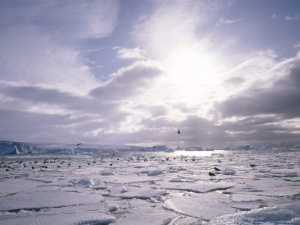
{"points": [[211, 174], [78, 144], [178, 132]]}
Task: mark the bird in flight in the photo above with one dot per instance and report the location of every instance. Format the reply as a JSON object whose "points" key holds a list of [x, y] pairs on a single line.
{"points": [[178, 132], [78, 144]]}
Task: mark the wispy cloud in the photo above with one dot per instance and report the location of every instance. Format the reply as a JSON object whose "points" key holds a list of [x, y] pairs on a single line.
{"points": [[294, 17], [46, 36], [80, 19], [297, 45], [128, 82], [129, 53], [42, 60], [172, 23], [279, 101], [228, 21]]}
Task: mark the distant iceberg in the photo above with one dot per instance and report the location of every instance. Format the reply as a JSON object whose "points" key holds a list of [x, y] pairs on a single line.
{"points": [[197, 148], [158, 148], [13, 150]]}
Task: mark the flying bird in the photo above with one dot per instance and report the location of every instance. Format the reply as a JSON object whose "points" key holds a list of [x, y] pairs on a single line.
{"points": [[178, 132], [78, 144]]}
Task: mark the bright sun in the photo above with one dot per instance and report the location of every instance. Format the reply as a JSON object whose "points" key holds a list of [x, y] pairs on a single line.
{"points": [[193, 73]]}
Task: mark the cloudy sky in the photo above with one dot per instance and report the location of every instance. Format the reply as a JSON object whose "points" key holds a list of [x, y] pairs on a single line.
{"points": [[134, 72]]}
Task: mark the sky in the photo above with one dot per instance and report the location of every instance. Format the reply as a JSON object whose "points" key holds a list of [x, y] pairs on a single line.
{"points": [[226, 73]]}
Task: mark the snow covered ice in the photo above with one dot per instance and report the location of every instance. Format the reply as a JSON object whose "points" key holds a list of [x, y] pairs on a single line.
{"points": [[136, 187]]}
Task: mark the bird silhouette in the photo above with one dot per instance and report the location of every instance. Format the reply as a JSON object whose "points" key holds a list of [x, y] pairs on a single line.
{"points": [[217, 169]]}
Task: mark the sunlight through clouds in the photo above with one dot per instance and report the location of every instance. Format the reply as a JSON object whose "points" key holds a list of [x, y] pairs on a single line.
{"points": [[137, 71]]}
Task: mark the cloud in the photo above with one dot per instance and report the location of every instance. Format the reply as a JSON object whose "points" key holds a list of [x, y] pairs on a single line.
{"points": [[55, 114], [31, 57], [40, 127], [194, 131], [228, 21], [40, 41], [235, 81], [54, 101], [171, 23], [79, 19], [294, 17], [281, 98], [65, 19], [27, 126], [128, 82], [129, 53], [297, 45], [259, 131], [102, 112], [258, 69]]}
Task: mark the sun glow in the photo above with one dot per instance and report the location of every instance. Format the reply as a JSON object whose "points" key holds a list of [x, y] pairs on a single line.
{"points": [[193, 73]]}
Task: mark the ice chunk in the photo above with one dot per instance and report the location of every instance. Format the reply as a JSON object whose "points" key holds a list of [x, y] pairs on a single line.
{"points": [[246, 206], [128, 178], [284, 214], [162, 218], [106, 173], [200, 187], [135, 192], [203, 207], [89, 182], [153, 172], [184, 220], [228, 171], [42, 177]]}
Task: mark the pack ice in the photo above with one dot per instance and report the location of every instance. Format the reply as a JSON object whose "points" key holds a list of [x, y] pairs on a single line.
{"points": [[168, 188]]}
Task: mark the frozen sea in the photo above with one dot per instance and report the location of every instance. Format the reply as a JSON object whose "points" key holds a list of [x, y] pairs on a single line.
{"points": [[136, 187]]}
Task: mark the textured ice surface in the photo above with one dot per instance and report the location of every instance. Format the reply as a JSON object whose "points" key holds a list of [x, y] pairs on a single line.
{"points": [[200, 187], [162, 218], [203, 206], [13, 186], [88, 218], [135, 192], [45, 199], [283, 214], [151, 188]]}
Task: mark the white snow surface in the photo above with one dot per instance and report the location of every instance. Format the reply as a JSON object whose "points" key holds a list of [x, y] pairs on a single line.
{"points": [[167, 188]]}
